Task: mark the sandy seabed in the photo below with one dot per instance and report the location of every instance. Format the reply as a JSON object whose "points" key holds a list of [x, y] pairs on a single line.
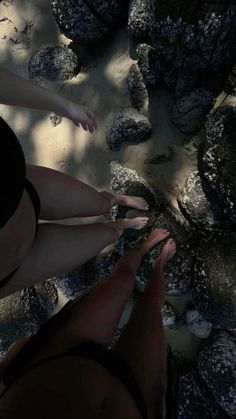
{"points": [[25, 26]]}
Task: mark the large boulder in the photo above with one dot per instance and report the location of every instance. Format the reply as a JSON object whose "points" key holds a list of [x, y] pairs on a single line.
{"points": [[198, 37], [149, 63], [138, 22], [214, 280], [137, 90], [198, 204], [217, 367], [20, 315], [218, 165], [197, 325], [189, 112], [53, 64], [129, 127], [195, 401], [86, 21]]}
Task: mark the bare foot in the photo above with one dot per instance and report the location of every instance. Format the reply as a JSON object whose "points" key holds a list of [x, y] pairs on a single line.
{"points": [[168, 251], [136, 223], [132, 202], [155, 237]]}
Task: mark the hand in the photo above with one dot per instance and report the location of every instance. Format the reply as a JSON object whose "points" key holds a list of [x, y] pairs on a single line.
{"points": [[80, 115]]}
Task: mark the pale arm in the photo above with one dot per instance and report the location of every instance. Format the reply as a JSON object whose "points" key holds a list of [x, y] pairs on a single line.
{"points": [[17, 91]]}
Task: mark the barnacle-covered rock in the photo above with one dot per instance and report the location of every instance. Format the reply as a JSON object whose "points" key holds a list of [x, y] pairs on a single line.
{"points": [[195, 401], [130, 127], [85, 21], [190, 111], [138, 22], [53, 64], [218, 165], [47, 294], [20, 315], [217, 368], [214, 280], [230, 85], [198, 37], [78, 281], [199, 205], [197, 325], [178, 270], [149, 63], [137, 90]]}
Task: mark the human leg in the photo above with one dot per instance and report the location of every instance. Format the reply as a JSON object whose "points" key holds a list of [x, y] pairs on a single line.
{"points": [[96, 317], [142, 344], [63, 196]]}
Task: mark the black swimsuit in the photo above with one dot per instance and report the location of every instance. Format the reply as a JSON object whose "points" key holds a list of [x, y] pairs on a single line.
{"points": [[20, 365], [34, 197]]}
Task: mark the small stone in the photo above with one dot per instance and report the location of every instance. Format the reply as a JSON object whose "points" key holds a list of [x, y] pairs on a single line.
{"points": [[55, 119], [197, 325], [138, 22]]}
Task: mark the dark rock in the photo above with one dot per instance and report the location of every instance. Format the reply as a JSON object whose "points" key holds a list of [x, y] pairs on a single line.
{"points": [[53, 64], [47, 294], [138, 22], [197, 325], [190, 111], [149, 63], [214, 280], [186, 82], [194, 400], [20, 315], [104, 264], [55, 119], [137, 90], [198, 37], [78, 281], [86, 21], [230, 86], [218, 164], [217, 368], [168, 314], [130, 127], [197, 205]]}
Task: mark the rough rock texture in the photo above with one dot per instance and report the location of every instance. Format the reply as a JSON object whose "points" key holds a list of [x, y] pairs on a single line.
{"points": [[189, 112], [218, 164], [197, 325], [137, 90], [230, 86], [20, 315], [86, 21], [214, 280], [149, 64], [54, 119], [47, 294], [77, 281], [200, 36], [195, 401], [53, 64], [198, 205], [138, 22], [130, 127], [217, 368]]}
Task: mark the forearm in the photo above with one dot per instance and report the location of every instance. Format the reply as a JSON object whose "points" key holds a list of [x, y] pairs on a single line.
{"points": [[17, 91]]}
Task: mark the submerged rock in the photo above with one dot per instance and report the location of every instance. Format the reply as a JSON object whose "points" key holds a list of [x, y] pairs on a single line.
{"points": [[20, 315], [47, 294], [85, 21], [190, 111], [138, 22], [218, 165], [214, 280], [53, 64], [76, 282], [149, 63], [168, 314], [137, 90], [198, 204], [130, 127], [197, 325], [217, 368], [195, 401]]}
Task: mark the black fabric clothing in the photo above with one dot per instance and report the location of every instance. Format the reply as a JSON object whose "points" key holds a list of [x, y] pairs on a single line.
{"points": [[12, 172], [34, 197], [19, 366]]}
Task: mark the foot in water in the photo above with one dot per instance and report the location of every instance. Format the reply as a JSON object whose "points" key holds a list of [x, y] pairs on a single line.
{"points": [[136, 223], [135, 202], [155, 237], [168, 251]]}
